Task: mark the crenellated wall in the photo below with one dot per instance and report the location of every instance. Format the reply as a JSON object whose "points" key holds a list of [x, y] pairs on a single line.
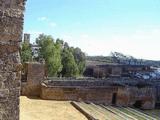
{"points": [[11, 26]]}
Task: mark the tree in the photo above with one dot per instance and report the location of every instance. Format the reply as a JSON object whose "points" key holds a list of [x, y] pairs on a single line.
{"points": [[60, 42], [26, 52], [51, 53], [70, 68], [80, 60], [60, 58]]}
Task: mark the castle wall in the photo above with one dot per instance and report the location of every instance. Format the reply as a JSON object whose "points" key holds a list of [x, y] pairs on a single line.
{"points": [[87, 94], [102, 71], [11, 24], [35, 75], [117, 91], [129, 96], [100, 92]]}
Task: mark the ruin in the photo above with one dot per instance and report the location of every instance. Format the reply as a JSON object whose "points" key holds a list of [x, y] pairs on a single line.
{"points": [[32, 77], [109, 92], [120, 91], [11, 26], [115, 70]]}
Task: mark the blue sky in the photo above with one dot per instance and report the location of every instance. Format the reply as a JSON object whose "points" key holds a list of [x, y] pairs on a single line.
{"points": [[99, 26]]}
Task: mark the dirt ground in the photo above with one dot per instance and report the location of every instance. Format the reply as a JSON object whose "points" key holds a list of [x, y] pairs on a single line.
{"points": [[36, 109]]}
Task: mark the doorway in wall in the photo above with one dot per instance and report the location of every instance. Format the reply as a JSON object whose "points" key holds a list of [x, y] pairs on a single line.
{"points": [[114, 98], [138, 104]]}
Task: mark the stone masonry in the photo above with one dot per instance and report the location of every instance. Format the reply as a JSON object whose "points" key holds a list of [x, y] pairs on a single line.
{"points": [[109, 92], [31, 82], [11, 26], [120, 91]]}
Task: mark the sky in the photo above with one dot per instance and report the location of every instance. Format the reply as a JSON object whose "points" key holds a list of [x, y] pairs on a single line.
{"points": [[99, 27]]}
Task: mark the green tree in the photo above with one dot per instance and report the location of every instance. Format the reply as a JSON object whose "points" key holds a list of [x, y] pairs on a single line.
{"points": [[26, 52], [60, 42], [60, 58], [70, 68], [51, 52], [80, 59]]}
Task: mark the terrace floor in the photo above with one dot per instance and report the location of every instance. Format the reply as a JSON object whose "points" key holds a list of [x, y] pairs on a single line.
{"points": [[36, 109]]}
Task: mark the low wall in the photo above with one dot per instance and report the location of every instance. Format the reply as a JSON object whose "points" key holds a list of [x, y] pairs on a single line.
{"points": [[117, 91], [99, 92], [87, 94]]}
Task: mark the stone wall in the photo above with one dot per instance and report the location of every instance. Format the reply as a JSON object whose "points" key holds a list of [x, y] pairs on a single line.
{"points": [[118, 91], [139, 97], [96, 94], [104, 71], [99, 91], [11, 25], [34, 73]]}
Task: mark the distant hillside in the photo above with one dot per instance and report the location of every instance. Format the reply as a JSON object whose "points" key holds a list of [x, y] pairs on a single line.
{"points": [[119, 58]]}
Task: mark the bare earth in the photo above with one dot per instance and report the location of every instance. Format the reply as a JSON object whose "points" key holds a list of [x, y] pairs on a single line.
{"points": [[36, 109]]}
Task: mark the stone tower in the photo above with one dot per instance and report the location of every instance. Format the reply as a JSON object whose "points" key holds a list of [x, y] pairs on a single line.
{"points": [[27, 38], [11, 26]]}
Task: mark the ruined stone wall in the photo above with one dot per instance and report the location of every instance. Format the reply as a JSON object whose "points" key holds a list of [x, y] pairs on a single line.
{"points": [[95, 94], [99, 91], [106, 71], [11, 24], [128, 96], [35, 76]]}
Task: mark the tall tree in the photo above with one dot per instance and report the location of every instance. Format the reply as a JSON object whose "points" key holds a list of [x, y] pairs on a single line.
{"points": [[80, 59], [51, 52], [26, 52], [60, 58], [70, 68]]}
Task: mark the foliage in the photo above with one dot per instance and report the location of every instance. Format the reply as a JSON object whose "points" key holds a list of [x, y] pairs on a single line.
{"points": [[51, 53], [26, 52], [60, 58], [80, 60], [70, 68]]}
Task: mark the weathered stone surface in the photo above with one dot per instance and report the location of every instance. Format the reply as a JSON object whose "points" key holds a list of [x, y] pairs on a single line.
{"points": [[11, 25], [79, 93], [129, 96], [100, 92], [34, 78], [117, 91]]}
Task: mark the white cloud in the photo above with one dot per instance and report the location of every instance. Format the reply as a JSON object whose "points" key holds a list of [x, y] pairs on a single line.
{"points": [[47, 21], [42, 19]]}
